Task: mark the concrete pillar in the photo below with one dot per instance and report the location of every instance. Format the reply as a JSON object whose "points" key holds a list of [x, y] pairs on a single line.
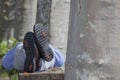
{"points": [[94, 40], [59, 24]]}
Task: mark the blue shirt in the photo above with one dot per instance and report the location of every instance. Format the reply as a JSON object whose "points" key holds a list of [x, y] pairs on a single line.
{"points": [[8, 59]]}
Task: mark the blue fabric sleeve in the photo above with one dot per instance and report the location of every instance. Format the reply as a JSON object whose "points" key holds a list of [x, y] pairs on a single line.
{"points": [[8, 59], [59, 59]]}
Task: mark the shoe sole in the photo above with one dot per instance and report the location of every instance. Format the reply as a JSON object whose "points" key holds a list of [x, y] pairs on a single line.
{"points": [[41, 37], [29, 46]]}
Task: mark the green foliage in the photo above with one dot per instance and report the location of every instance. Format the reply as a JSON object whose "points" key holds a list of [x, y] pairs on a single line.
{"points": [[3, 73], [14, 77], [4, 47], [13, 74]]}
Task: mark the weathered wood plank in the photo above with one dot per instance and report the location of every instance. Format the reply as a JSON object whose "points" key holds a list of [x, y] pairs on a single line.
{"points": [[4, 79], [52, 74]]}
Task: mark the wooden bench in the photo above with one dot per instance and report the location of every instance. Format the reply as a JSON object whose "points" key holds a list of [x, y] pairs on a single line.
{"points": [[52, 74]]}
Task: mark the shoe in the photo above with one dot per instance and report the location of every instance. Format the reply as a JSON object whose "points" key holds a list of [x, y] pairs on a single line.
{"points": [[42, 42], [32, 57]]}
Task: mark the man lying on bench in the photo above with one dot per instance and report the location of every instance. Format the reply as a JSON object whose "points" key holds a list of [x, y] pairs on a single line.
{"points": [[34, 53]]}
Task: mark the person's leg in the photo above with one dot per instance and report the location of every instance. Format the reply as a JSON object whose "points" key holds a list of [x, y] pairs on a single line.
{"points": [[29, 46], [26, 55], [31, 51], [42, 40], [57, 60], [48, 65]]}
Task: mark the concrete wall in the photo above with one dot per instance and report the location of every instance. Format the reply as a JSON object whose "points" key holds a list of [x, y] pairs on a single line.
{"points": [[94, 40], [59, 24], [29, 16]]}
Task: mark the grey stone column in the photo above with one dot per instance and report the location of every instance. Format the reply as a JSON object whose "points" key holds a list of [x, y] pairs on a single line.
{"points": [[94, 40], [59, 24]]}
